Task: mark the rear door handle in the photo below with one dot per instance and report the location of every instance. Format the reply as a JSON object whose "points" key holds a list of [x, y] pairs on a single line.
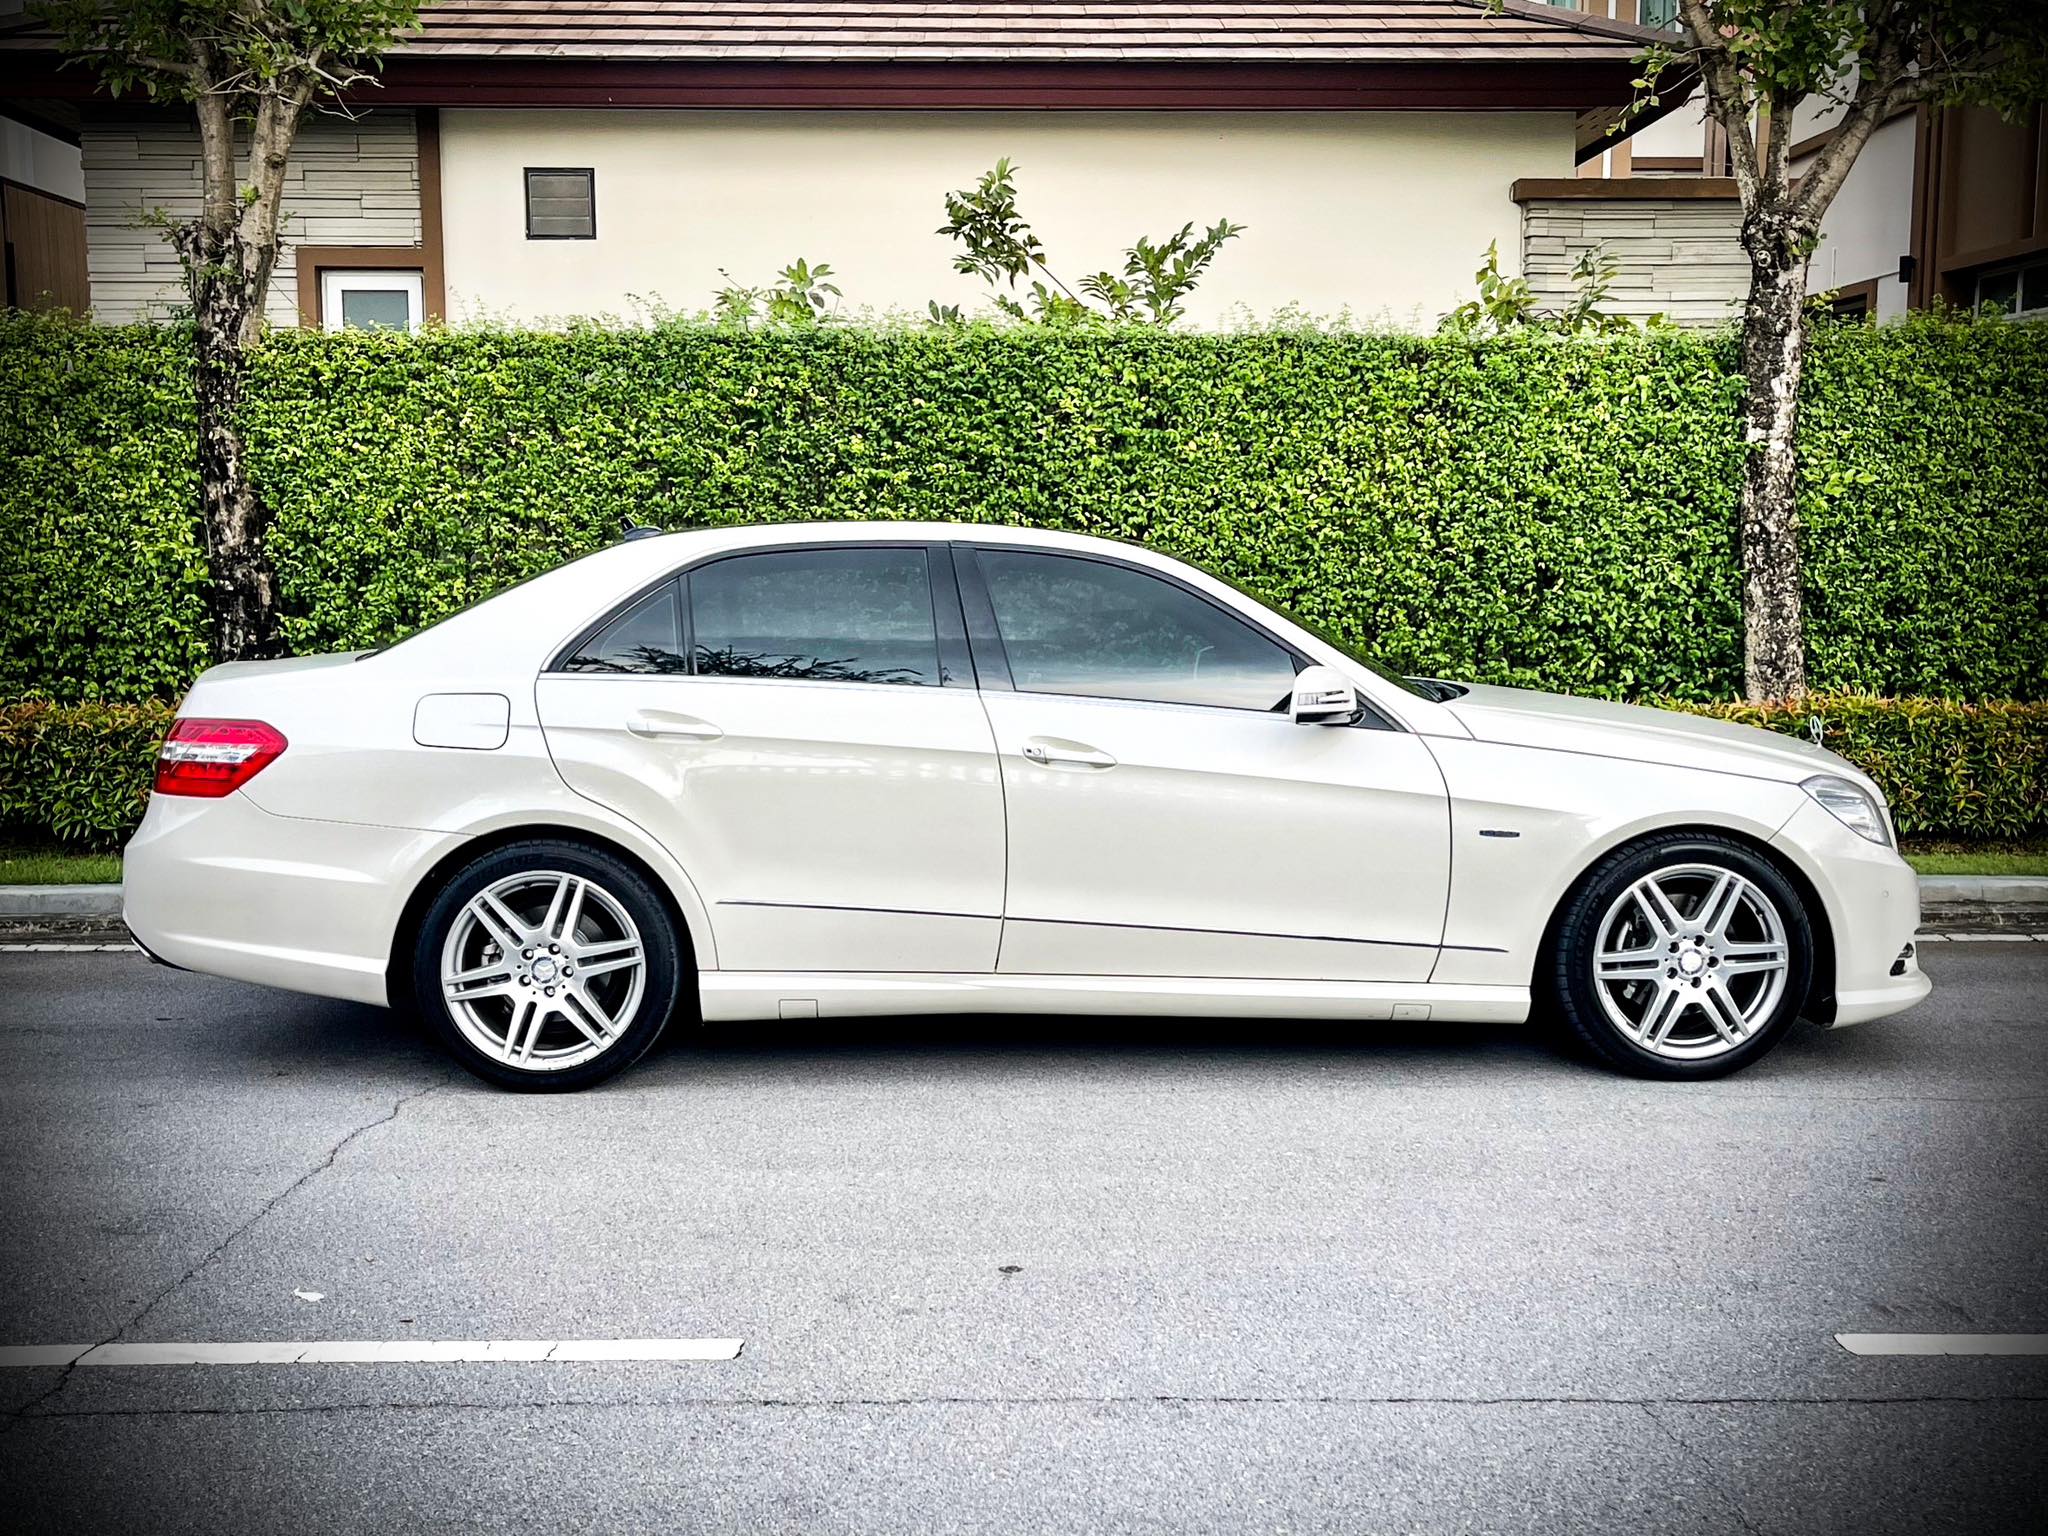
{"points": [[1046, 751], [655, 723]]}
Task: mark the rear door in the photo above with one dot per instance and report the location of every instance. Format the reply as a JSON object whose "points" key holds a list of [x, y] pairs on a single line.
{"points": [[799, 727]]}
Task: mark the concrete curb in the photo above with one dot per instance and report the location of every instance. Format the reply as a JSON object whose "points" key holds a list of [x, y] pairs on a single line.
{"points": [[1941, 896], [30, 901]]}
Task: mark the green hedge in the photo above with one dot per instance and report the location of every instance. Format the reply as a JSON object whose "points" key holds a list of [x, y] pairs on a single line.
{"points": [[1970, 771], [80, 773], [1531, 510], [77, 773]]}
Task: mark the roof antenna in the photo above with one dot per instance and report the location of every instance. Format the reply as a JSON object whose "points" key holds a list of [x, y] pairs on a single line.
{"points": [[633, 530]]}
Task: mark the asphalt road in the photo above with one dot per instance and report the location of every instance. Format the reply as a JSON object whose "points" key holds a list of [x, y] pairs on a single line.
{"points": [[1022, 1276]]}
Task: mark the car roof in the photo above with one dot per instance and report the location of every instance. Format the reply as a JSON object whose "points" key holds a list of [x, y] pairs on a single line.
{"points": [[881, 529]]}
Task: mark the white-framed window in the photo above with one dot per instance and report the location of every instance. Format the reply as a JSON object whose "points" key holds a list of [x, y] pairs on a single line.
{"points": [[392, 299], [2021, 290]]}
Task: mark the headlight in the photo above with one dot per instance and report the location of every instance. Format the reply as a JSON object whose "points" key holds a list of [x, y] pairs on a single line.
{"points": [[1851, 805]]}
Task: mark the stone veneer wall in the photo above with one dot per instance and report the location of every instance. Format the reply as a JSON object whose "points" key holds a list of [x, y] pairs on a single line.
{"points": [[350, 182]]}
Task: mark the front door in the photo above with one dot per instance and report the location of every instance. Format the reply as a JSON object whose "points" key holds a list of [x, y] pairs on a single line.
{"points": [[799, 728], [1166, 815]]}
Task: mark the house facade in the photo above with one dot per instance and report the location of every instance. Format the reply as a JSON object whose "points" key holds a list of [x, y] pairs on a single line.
{"points": [[531, 163], [1942, 206]]}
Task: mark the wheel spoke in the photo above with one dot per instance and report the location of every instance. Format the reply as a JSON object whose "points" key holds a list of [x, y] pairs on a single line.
{"points": [[499, 921], [574, 915], [503, 987], [1629, 964], [557, 899], [1662, 1013], [1744, 959], [586, 1016], [1724, 1013], [524, 1031], [1657, 907], [1719, 907], [618, 958]]}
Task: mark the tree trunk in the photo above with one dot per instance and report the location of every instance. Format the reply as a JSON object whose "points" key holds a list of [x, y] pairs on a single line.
{"points": [[1773, 342], [241, 592]]}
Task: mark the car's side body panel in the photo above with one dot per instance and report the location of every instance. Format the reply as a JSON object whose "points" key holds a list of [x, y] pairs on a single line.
{"points": [[224, 886], [1217, 842], [829, 826], [1526, 822]]}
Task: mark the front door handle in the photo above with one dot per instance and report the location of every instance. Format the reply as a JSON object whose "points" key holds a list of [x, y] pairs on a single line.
{"points": [[1045, 751], [655, 723]]}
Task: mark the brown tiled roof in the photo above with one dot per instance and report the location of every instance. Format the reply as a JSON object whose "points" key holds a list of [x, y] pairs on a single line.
{"points": [[1121, 31]]}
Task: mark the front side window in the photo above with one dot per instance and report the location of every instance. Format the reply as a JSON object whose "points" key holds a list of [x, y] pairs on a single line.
{"points": [[1080, 626], [819, 615], [646, 639]]}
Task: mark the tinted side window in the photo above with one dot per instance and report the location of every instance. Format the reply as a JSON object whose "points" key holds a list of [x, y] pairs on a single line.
{"points": [[819, 615], [1079, 626], [647, 637]]}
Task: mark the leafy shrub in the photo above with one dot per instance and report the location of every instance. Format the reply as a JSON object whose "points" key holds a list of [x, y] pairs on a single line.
{"points": [[1950, 770], [77, 773], [81, 773], [1527, 509]]}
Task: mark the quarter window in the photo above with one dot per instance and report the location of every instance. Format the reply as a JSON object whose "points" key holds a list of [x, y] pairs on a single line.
{"points": [[1080, 626], [646, 638], [826, 615]]}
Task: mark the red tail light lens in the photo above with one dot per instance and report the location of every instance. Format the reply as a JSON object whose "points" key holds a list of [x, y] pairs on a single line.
{"points": [[211, 758]]}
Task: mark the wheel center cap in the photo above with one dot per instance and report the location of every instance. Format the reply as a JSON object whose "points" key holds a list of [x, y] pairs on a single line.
{"points": [[543, 969], [1692, 962]]}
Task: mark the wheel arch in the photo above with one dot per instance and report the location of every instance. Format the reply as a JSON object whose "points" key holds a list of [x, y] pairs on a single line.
{"points": [[430, 882], [1819, 1004]]}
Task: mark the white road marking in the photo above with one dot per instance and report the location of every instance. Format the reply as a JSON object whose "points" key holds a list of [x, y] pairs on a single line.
{"points": [[1991, 938], [1944, 1343], [371, 1352]]}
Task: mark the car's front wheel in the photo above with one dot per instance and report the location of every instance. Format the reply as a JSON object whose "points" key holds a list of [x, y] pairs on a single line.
{"points": [[547, 966], [1682, 956]]}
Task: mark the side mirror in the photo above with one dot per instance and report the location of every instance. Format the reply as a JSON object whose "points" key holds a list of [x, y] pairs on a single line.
{"points": [[1323, 696]]}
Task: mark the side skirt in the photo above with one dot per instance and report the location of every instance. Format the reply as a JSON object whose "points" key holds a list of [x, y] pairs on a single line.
{"points": [[733, 996]]}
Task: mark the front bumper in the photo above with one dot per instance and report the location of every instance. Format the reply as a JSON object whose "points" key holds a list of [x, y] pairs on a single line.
{"points": [[1872, 900], [225, 887]]}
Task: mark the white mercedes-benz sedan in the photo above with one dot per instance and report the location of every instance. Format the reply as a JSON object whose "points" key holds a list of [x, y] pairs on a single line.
{"points": [[820, 771]]}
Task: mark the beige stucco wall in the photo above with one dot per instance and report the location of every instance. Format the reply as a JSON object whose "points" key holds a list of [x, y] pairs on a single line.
{"points": [[1385, 214], [1869, 225]]}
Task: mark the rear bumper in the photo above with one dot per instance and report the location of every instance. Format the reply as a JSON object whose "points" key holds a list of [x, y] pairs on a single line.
{"points": [[225, 887], [1872, 898]]}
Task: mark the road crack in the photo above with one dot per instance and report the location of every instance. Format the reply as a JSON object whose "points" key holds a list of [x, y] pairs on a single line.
{"points": [[1706, 1469], [213, 1254]]}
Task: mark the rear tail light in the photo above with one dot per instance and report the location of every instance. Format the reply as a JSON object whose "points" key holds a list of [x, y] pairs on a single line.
{"points": [[211, 758]]}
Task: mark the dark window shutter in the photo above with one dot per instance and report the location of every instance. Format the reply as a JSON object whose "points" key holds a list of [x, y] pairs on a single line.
{"points": [[561, 204]]}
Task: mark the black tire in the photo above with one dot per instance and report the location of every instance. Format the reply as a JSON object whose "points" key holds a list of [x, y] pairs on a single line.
{"points": [[1568, 971], [612, 895]]}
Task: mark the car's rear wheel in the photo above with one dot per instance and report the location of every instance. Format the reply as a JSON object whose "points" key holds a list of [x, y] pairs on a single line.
{"points": [[1682, 956], [547, 966]]}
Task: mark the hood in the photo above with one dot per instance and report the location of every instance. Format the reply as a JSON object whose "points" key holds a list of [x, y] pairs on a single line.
{"points": [[1633, 733]]}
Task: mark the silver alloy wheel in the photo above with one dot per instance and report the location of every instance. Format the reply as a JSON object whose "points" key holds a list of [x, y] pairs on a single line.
{"points": [[1691, 961], [543, 970]]}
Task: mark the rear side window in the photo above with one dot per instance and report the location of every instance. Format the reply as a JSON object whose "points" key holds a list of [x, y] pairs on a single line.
{"points": [[816, 615], [1079, 626], [646, 638]]}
